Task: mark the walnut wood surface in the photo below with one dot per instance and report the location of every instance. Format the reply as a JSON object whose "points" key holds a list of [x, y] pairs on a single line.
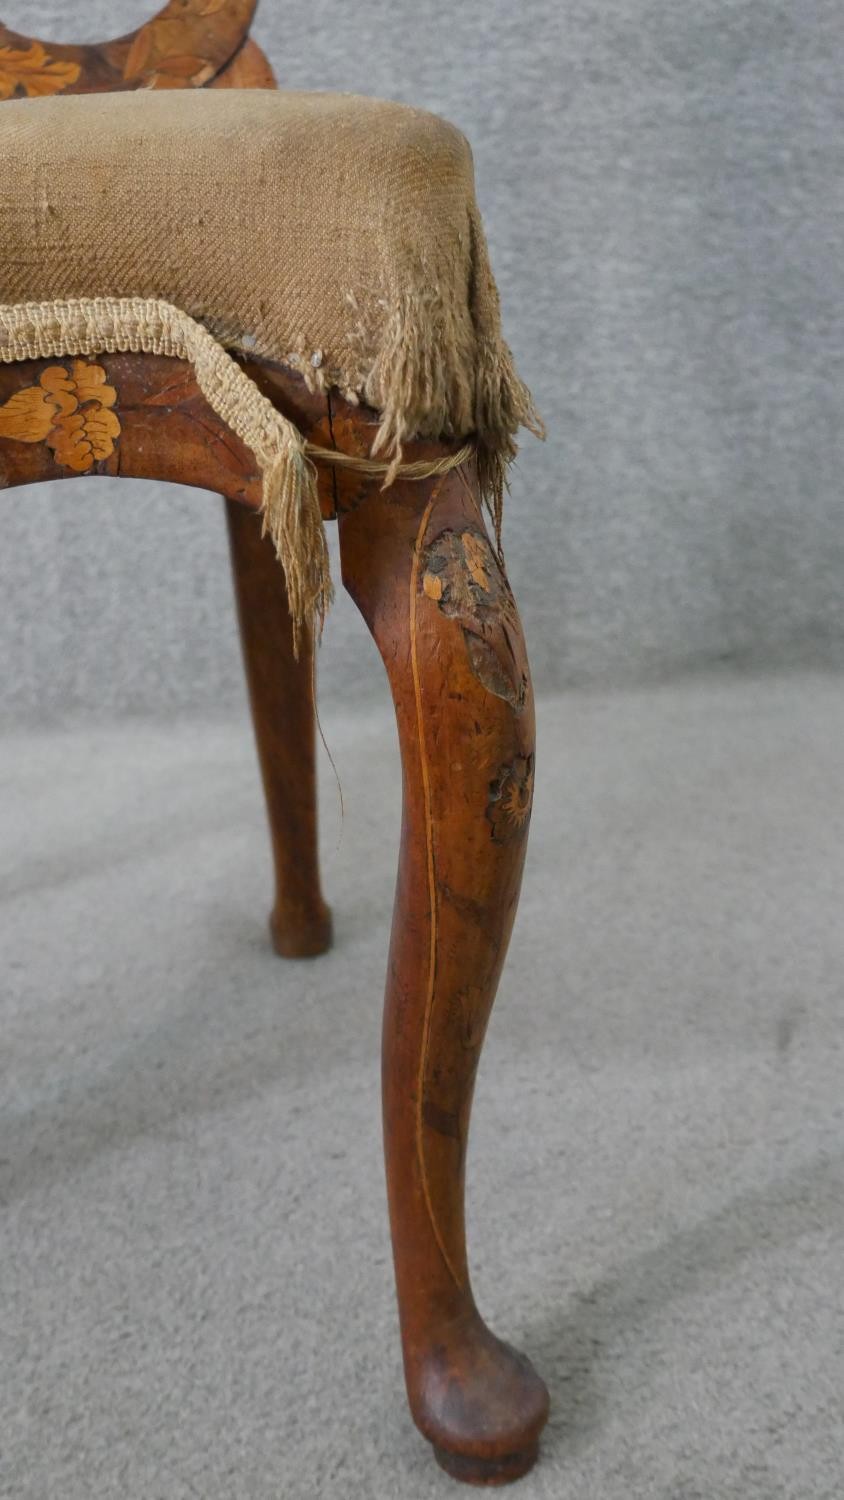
{"points": [[418, 562], [184, 46], [165, 428], [248, 69], [281, 691]]}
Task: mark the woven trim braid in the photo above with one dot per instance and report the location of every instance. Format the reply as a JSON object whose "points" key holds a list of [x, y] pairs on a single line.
{"points": [[290, 503], [129, 325]]}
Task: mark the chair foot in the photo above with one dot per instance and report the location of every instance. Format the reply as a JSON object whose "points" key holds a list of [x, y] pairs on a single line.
{"points": [[487, 1471], [479, 1402], [301, 936]]}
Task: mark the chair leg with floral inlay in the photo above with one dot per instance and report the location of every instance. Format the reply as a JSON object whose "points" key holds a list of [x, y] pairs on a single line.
{"points": [[191, 291]]}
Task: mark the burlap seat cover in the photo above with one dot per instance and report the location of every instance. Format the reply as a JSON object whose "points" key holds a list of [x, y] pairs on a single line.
{"points": [[335, 234]]}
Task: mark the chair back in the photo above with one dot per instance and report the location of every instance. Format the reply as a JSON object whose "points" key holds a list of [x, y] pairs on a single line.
{"points": [[189, 44]]}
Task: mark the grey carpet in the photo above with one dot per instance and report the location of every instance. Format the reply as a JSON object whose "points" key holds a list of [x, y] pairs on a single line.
{"points": [[196, 1287]]}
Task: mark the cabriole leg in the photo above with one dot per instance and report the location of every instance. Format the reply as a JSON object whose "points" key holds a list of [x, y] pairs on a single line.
{"points": [[418, 563], [281, 695]]}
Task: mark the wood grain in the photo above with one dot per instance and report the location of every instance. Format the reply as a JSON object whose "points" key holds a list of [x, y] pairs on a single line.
{"points": [[466, 752], [186, 45], [166, 429], [281, 691]]}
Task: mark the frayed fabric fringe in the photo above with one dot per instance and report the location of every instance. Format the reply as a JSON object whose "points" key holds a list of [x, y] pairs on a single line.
{"points": [[133, 325], [426, 379], [440, 368]]}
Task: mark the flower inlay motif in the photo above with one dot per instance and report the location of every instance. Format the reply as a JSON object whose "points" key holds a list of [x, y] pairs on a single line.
{"points": [[30, 71], [70, 411], [163, 54], [465, 579], [511, 799]]}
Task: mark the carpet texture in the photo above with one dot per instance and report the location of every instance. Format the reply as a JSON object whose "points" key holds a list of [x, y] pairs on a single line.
{"points": [[196, 1283]]}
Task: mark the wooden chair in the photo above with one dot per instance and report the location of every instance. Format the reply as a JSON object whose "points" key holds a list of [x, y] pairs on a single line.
{"points": [[417, 561]]}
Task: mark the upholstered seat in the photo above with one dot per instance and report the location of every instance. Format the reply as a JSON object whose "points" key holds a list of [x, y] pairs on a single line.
{"points": [[334, 233]]}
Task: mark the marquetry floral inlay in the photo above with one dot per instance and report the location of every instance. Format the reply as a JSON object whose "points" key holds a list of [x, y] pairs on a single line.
{"points": [[463, 576], [30, 71], [511, 799], [163, 54], [70, 411]]}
